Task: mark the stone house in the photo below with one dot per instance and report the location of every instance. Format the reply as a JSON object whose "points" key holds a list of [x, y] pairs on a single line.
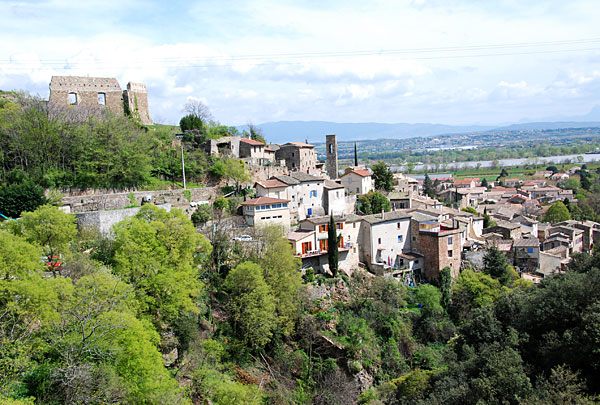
{"points": [[358, 181], [227, 146], [466, 183], [266, 211], [334, 198], [562, 235], [508, 230], [249, 148], [385, 236], [298, 156], [399, 200], [526, 253], [406, 185], [312, 242], [441, 247]]}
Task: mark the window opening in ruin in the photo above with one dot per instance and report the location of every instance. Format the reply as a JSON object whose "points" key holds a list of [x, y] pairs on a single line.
{"points": [[330, 148], [101, 98], [72, 98]]}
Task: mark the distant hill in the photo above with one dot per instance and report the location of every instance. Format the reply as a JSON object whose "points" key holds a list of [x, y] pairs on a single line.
{"points": [[546, 125], [315, 131]]}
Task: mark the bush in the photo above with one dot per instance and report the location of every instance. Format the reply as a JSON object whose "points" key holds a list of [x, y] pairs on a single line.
{"points": [[20, 197]]}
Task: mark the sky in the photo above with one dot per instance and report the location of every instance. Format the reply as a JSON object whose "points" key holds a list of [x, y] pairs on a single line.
{"points": [[415, 61]]}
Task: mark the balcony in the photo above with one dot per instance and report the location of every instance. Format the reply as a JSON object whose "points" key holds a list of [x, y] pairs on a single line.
{"points": [[315, 253]]}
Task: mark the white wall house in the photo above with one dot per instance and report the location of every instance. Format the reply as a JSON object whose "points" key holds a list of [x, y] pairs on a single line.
{"points": [[334, 200], [384, 237], [357, 181], [265, 211]]}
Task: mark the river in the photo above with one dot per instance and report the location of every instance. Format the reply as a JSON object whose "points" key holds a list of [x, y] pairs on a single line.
{"points": [[548, 160]]}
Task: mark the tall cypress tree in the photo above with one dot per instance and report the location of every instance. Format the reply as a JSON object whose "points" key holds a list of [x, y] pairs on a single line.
{"points": [[332, 248], [355, 155]]}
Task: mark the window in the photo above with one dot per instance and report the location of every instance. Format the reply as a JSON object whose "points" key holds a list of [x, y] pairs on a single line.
{"points": [[72, 98], [450, 253], [529, 250], [323, 244], [285, 205], [292, 154], [399, 238], [357, 189], [354, 225], [276, 194], [449, 240], [101, 98], [310, 211], [339, 225], [323, 228], [414, 238], [330, 148], [306, 246], [398, 225], [379, 240]]}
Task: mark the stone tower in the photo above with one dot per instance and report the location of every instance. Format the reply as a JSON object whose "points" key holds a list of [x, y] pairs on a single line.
{"points": [[136, 97], [332, 156]]}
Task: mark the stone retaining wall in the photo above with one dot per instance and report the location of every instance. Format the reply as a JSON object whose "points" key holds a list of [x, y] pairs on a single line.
{"points": [[103, 221]]}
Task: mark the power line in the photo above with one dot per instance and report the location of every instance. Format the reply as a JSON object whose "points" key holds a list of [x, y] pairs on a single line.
{"points": [[454, 52]]}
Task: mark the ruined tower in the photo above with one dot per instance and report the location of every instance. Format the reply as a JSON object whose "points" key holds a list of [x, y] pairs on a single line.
{"points": [[92, 95], [332, 156], [136, 97]]}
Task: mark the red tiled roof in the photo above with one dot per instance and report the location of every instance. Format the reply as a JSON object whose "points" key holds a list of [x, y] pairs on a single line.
{"points": [[465, 181], [252, 142], [264, 200], [273, 183], [360, 172]]}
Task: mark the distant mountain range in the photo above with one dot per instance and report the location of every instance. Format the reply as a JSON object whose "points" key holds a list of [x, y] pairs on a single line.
{"points": [[315, 131]]}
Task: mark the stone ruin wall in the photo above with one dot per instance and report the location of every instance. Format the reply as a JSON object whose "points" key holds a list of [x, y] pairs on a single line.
{"points": [[115, 201], [136, 96], [86, 89]]}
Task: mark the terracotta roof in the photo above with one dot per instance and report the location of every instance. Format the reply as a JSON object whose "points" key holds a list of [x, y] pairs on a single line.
{"points": [[360, 172], [300, 144], [264, 200], [252, 142], [299, 234], [273, 183], [465, 181], [267, 149]]}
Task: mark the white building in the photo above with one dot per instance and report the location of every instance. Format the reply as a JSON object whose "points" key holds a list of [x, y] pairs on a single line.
{"points": [[358, 181], [384, 237], [266, 211], [334, 198]]}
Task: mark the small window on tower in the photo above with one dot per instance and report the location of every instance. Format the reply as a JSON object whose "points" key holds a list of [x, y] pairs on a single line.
{"points": [[330, 148], [101, 98], [72, 98]]}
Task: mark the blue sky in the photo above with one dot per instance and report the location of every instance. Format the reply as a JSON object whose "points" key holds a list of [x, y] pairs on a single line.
{"points": [[440, 61]]}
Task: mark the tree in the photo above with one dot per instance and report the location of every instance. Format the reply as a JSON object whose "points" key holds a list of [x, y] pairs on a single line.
{"points": [[190, 122], [552, 169], [557, 212], [484, 183], [572, 184], [21, 197], [332, 249], [18, 258], [281, 271], [383, 176], [355, 155], [503, 173], [472, 290], [236, 170], [251, 304], [445, 286], [428, 188], [201, 215], [495, 264], [470, 210], [198, 109], [373, 203], [157, 252], [255, 133], [51, 229]]}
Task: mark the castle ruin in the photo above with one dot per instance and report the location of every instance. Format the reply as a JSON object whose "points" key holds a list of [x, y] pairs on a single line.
{"points": [[91, 94]]}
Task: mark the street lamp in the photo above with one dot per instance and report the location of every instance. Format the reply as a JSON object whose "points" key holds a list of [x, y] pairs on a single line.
{"points": [[180, 138]]}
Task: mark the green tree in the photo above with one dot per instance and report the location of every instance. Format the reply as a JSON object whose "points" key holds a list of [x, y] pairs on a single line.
{"points": [[373, 203], [20, 197], [157, 252], [495, 264], [251, 304], [445, 286], [190, 122], [428, 188], [557, 212], [236, 170], [484, 183], [18, 258], [383, 176], [49, 228], [472, 290], [201, 215], [572, 184], [281, 271], [332, 250]]}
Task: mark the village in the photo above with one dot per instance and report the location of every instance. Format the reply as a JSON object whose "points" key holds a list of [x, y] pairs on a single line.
{"points": [[413, 240]]}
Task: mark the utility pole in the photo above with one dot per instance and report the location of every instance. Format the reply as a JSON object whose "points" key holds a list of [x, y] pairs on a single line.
{"points": [[180, 137]]}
